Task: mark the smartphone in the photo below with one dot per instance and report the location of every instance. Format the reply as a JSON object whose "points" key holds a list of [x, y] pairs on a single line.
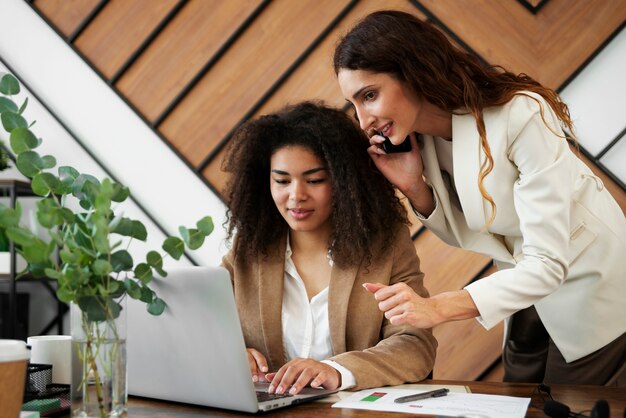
{"points": [[389, 148]]}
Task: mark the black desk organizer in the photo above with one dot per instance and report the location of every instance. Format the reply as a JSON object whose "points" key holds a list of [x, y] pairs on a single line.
{"points": [[39, 388]]}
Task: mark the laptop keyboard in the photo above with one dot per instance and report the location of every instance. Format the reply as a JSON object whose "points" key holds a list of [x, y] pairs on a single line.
{"points": [[265, 396]]}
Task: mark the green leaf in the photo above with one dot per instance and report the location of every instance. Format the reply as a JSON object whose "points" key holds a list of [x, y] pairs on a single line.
{"points": [[155, 260], [48, 161], [130, 228], [9, 85], [193, 238], [117, 288], [21, 236], [12, 120], [184, 233], [50, 214], [205, 225], [120, 193], [79, 184], [37, 252], [53, 274], [65, 295], [66, 172], [22, 139], [7, 104], [99, 309], [175, 247], [133, 289], [143, 273], [67, 257], [101, 267], [123, 226], [157, 307], [29, 163], [146, 294], [85, 204], [90, 191], [44, 183], [23, 107], [121, 261], [114, 308], [139, 231], [10, 216]]}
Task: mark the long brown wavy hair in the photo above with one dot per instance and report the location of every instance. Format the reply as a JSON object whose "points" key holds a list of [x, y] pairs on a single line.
{"points": [[365, 209], [419, 54]]}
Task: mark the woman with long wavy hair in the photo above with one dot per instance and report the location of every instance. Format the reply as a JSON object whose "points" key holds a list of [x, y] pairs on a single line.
{"points": [[490, 170], [312, 221]]}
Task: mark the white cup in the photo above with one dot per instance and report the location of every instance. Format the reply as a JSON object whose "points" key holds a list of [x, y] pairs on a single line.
{"points": [[55, 350]]}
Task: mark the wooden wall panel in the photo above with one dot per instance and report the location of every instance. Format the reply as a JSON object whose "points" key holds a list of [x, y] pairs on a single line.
{"points": [[244, 73], [118, 30], [446, 268], [466, 349], [181, 51], [66, 15], [315, 77], [548, 46]]}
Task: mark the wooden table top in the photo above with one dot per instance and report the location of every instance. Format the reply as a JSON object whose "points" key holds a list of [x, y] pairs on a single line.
{"points": [[579, 398]]}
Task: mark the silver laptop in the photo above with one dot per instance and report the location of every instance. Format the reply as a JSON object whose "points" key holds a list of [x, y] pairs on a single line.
{"points": [[194, 352]]}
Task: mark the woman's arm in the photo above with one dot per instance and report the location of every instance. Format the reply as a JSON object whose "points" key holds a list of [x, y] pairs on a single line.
{"points": [[402, 305]]}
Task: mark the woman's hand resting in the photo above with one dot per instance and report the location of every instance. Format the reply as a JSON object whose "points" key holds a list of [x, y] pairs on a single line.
{"points": [[301, 372]]}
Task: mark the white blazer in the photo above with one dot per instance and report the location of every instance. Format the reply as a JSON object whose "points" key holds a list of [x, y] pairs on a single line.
{"points": [[559, 237]]}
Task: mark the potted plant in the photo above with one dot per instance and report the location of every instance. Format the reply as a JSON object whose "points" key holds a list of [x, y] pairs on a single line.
{"points": [[87, 255]]}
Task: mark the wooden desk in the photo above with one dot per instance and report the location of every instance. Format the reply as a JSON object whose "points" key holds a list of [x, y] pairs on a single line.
{"points": [[578, 398]]}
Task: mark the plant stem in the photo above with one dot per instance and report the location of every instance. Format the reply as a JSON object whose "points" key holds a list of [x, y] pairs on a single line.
{"points": [[91, 359]]}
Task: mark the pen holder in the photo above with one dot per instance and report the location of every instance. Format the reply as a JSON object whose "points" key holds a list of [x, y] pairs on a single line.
{"points": [[38, 376], [41, 394]]}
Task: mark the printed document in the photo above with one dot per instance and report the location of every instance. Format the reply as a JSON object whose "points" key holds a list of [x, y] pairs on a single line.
{"points": [[454, 404]]}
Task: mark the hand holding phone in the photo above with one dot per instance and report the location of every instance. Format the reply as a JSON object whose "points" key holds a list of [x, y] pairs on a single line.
{"points": [[390, 148]]}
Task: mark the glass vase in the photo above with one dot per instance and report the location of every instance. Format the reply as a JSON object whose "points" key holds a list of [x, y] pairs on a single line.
{"points": [[99, 363]]}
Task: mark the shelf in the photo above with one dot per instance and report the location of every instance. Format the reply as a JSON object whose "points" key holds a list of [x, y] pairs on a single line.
{"points": [[13, 189]]}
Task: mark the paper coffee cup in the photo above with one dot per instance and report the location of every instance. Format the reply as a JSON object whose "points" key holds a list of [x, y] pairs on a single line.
{"points": [[55, 350], [13, 361]]}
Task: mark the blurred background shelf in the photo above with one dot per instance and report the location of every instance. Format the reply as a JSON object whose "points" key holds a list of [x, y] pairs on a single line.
{"points": [[14, 305]]}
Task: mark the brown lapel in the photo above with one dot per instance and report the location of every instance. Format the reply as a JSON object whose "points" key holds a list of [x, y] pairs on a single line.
{"points": [[271, 277], [341, 284]]}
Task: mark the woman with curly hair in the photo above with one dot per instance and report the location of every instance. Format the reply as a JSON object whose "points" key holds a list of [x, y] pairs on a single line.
{"points": [[494, 174], [313, 220]]}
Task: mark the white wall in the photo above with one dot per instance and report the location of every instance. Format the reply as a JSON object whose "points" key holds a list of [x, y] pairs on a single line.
{"points": [[597, 101]]}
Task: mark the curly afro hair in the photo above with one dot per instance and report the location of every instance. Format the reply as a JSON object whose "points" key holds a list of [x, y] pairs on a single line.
{"points": [[365, 208]]}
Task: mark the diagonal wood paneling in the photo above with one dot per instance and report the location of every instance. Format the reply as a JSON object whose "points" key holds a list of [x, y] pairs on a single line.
{"points": [[244, 73], [66, 15], [247, 47], [548, 46], [119, 30], [181, 51]]}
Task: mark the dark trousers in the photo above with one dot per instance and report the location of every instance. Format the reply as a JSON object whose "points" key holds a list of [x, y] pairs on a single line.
{"points": [[530, 356]]}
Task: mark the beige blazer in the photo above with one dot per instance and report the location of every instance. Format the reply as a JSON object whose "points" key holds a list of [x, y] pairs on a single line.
{"points": [[363, 341], [559, 237]]}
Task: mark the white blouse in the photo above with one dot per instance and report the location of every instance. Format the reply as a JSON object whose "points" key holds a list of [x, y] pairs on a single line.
{"points": [[306, 331]]}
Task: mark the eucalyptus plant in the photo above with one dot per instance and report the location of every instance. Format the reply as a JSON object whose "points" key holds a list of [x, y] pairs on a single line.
{"points": [[87, 251]]}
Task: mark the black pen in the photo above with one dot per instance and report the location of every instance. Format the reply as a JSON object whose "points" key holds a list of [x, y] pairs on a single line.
{"points": [[424, 395]]}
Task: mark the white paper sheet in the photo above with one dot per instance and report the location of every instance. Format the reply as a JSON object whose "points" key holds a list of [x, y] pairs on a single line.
{"points": [[453, 405]]}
